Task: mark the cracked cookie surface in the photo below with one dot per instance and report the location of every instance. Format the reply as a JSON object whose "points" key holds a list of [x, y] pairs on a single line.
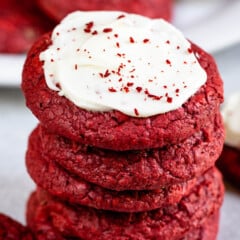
{"points": [[21, 25], [229, 164], [136, 170]]}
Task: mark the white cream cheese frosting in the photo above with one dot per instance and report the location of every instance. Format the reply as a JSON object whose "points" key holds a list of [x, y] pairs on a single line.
{"points": [[113, 60], [231, 117]]}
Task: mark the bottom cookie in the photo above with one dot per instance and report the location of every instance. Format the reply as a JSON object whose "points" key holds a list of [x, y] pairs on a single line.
{"points": [[12, 230], [49, 218], [229, 164], [208, 231]]}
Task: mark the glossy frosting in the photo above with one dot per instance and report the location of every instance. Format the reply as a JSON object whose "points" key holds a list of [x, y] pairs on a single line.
{"points": [[113, 60]]}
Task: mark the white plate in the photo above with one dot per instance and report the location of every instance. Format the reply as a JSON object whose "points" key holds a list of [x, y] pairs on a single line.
{"points": [[11, 69], [212, 24]]}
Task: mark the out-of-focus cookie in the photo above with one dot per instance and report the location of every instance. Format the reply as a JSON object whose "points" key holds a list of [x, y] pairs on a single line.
{"points": [[21, 24], [63, 184], [229, 161], [208, 231], [229, 164], [151, 8], [12, 230]]}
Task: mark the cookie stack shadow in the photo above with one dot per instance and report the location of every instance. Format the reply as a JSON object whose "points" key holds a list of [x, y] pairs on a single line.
{"points": [[117, 183]]}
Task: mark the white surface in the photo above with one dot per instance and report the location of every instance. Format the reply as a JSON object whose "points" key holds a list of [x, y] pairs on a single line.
{"points": [[16, 122], [212, 24]]}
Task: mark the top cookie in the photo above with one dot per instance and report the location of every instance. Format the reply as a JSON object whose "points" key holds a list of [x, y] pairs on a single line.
{"points": [[114, 129]]}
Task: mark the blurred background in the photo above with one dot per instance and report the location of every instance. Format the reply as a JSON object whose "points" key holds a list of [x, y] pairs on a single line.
{"points": [[212, 24]]}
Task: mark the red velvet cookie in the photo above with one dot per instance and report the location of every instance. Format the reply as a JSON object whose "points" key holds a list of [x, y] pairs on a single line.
{"points": [[21, 24], [136, 170], [63, 184], [12, 230], [43, 229], [171, 222], [229, 164], [113, 129], [151, 8]]}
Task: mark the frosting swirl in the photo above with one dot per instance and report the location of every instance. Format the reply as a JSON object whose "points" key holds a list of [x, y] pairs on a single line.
{"points": [[113, 60]]}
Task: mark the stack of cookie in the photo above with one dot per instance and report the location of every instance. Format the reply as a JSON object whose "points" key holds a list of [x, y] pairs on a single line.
{"points": [[21, 25], [123, 151]]}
